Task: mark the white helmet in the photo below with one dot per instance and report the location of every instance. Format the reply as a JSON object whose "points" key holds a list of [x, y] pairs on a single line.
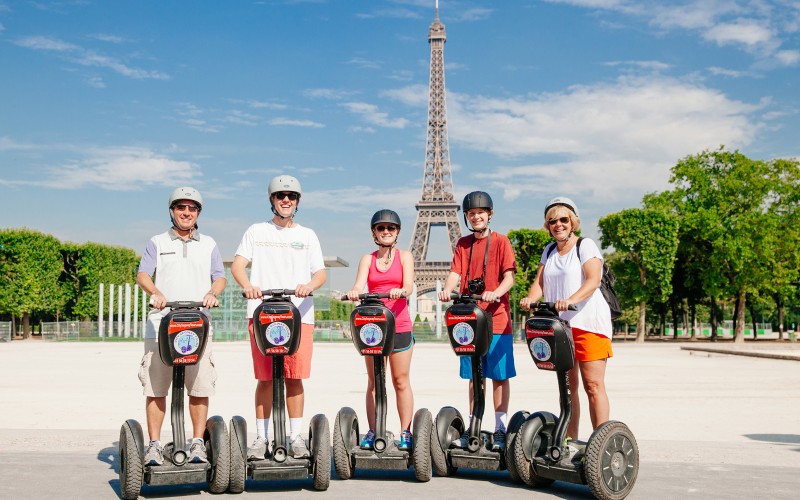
{"points": [[283, 183], [562, 200], [186, 193]]}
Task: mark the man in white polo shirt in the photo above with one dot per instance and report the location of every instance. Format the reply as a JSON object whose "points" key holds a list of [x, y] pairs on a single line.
{"points": [[187, 266]]}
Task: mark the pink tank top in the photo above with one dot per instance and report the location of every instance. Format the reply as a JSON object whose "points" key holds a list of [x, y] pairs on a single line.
{"points": [[382, 281]]}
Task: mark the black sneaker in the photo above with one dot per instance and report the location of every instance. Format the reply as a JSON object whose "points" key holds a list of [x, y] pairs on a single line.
{"points": [[499, 440]]}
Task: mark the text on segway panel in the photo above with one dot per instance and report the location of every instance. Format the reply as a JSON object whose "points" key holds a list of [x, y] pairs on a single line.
{"points": [[457, 318], [265, 318], [186, 360], [359, 320], [535, 332], [177, 326]]}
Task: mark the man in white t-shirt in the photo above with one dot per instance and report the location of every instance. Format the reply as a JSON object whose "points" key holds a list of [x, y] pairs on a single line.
{"points": [[281, 254]]}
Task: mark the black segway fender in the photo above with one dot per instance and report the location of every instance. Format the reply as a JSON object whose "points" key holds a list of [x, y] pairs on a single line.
{"points": [[445, 420], [527, 433], [316, 427], [216, 434], [138, 436], [346, 418]]}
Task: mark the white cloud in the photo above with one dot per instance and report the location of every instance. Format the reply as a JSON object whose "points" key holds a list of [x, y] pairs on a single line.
{"points": [[116, 169], [747, 32], [241, 118], [333, 94], [364, 63], [371, 114], [788, 57], [86, 57], [602, 138], [411, 95], [295, 123]]}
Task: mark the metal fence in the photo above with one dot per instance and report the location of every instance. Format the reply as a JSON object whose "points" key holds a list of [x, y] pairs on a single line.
{"points": [[5, 331]]}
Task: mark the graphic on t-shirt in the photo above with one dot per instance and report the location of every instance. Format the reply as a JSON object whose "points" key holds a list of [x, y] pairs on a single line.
{"points": [[186, 342], [463, 333], [540, 349], [371, 334], [278, 333]]}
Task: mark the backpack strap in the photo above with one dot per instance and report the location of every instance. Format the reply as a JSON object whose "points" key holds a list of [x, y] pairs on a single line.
{"points": [[550, 249], [578, 247]]}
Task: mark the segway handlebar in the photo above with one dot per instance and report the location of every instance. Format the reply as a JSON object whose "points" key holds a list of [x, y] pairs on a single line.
{"points": [[382, 295], [469, 296], [276, 292], [551, 306], [182, 304]]}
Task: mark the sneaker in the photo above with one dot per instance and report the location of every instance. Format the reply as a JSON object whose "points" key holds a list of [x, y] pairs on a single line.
{"points": [[368, 441], [405, 440], [462, 441], [499, 440], [257, 450], [572, 450], [299, 447], [197, 452], [154, 454]]}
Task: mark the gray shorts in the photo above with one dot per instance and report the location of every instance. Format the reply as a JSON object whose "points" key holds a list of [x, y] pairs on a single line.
{"points": [[156, 377]]}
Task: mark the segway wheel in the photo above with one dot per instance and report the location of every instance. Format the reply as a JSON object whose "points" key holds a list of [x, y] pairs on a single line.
{"points": [[320, 439], [218, 448], [344, 440], [448, 427], [237, 443], [131, 470], [612, 461], [535, 436], [423, 425], [511, 434]]}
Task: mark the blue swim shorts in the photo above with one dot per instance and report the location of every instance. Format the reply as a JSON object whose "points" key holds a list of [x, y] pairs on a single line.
{"points": [[498, 363]]}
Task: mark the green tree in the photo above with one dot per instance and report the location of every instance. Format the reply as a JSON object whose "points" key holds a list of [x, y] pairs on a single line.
{"points": [[649, 240], [528, 245], [726, 203], [30, 267], [90, 264]]}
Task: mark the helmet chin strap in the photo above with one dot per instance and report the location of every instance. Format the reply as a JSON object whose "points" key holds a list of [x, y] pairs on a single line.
{"points": [[282, 217], [565, 239]]}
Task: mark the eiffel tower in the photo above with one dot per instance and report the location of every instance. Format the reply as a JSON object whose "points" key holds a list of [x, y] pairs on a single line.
{"points": [[437, 207]]}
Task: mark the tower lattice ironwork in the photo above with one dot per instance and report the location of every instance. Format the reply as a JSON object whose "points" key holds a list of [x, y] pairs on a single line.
{"points": [[437, 206]]}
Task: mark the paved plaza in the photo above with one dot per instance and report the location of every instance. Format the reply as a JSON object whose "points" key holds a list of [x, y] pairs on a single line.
{"points": [[708, 424]]}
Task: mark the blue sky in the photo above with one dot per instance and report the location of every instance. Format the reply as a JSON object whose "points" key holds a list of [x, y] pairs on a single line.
{"points": [[107, 106]]}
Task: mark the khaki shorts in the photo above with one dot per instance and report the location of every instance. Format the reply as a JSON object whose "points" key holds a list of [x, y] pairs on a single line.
{"points": [[156, 377], [296, 366]]}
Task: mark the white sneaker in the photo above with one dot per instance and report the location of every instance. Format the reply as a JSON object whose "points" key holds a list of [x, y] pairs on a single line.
{"points": [[257, 450], [299, 447], [154, 454]]}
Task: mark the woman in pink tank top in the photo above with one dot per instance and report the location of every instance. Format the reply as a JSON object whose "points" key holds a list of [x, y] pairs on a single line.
{"points": [[390, 270]]}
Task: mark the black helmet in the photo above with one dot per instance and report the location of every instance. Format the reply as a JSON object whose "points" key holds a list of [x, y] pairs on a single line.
{"points": [[477, 199], [386, 216]]}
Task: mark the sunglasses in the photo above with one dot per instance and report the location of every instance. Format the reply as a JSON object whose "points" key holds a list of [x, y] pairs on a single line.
{"points": [[563, 220], [386, 228], [184, 206], [286, 194]]}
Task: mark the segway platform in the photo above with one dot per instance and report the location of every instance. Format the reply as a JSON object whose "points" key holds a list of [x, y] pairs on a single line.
{"points": [[608, 462], [276, 328], [372, 324], [182, 337]]}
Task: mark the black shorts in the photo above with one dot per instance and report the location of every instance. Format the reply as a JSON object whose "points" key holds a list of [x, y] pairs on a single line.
{"points": [[402, 341]]}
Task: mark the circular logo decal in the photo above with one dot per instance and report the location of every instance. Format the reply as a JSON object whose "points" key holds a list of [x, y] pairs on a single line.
{"points": [[186, 342], [278, 333], [463, 333], [371, 334], [540, 349]]}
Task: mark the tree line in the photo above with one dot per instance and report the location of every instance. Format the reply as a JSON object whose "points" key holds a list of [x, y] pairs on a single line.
{"points": [[42, 278], [725, 235]]}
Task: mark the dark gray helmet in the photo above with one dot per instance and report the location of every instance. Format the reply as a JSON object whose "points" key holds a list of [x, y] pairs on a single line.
{"points": [[385, 216], [477, 199]]}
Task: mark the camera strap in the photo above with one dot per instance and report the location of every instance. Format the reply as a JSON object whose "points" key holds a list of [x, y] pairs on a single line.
{"points": [[485, 254]]}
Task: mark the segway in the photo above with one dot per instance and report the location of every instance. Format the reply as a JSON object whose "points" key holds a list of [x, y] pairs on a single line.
{"points": [[608, 462], [469, 329], [182, 338], [276, 326], [372, 324]]}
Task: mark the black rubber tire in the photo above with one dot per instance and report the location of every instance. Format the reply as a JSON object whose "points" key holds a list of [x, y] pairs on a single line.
{"points": [[612, 461], [541, 425], [238, 473], [131, 470], [322, 454], [454, 426], [511, 434], [345, 468], [220, 459], [423, 426]]}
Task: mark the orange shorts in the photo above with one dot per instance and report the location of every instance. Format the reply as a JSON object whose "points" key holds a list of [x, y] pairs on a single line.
{"points": [[296, 366], [590, 346]]}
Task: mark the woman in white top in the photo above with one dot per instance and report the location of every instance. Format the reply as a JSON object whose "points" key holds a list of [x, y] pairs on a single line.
{"points": [[569, 273]]}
